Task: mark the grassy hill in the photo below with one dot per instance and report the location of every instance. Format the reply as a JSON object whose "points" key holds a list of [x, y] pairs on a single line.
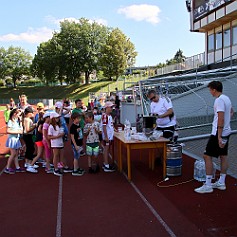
{"points": [[71, 91]]}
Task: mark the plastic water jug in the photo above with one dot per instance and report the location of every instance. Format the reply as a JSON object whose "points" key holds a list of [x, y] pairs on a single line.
{"points": [[127, 130], [200, 170]]}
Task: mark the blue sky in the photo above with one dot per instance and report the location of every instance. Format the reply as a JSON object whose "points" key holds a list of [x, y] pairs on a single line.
{"points": [[157, 28]]}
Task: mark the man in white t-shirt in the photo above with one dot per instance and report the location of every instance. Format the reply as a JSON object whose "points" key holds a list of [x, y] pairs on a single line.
{"points": [[218, 142], [162, 107]]}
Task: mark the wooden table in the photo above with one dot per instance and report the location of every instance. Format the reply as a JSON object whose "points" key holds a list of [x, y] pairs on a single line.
{"points": [[139, 145]]}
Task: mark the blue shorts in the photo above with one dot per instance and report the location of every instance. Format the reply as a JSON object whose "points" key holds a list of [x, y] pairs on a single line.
{"points": [[76, 153]]}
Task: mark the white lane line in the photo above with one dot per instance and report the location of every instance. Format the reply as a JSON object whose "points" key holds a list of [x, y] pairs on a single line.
{"points": [[59, 212], [151, 208]]}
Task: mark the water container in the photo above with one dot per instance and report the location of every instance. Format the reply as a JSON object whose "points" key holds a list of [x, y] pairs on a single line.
{"points": [[174, 160], [139, 123], [200, 170], [127, 130]]}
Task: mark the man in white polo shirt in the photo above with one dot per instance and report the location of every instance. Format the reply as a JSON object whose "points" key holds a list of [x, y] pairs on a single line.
{"points": [[163, 108]]}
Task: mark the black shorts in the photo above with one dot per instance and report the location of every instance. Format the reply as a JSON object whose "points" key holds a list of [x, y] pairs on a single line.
{"points": [[168, 132], [213, 149]]}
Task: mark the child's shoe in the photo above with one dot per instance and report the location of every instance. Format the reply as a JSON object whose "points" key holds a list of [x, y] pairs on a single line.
{"points": [[77, 173], [9, 171]]}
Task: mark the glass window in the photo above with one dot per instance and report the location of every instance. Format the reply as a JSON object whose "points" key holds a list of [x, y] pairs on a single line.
{"points": [[210, 42], [226, 38], [235, 35], [219, 40]]}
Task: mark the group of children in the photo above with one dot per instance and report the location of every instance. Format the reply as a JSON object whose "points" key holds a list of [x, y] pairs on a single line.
{"points": [[87, 131]]}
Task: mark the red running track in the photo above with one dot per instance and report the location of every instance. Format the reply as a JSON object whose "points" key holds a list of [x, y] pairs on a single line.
{"points": [[106, 204]]}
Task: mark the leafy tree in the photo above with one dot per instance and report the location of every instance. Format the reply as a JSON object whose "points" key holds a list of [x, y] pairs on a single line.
{"points": [[44, 65], [15, 63], [179, 57], [117, 54], [80, 48], [3, 67]]}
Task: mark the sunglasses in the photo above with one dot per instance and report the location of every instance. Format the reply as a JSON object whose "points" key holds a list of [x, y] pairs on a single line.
{"points": [[152, 98]]}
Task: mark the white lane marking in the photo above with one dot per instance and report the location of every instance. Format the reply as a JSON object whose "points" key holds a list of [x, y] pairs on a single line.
{"points": [[59, 213], [151, 208]]}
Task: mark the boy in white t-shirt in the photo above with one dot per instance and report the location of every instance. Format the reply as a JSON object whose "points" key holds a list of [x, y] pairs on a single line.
{"points": [[107, 135], [218, 143]]}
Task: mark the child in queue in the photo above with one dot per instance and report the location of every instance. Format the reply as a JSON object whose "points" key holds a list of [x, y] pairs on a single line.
{"points": [[29, 127], [81, 110], [46, 142], [76, 142], [63, 161], [14, 129], [55, 134], [39, 137], [107, 135], [97, 118], [91, 132]]}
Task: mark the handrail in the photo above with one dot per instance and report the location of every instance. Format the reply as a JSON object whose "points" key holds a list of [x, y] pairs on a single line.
{"points": [[194, 59]]}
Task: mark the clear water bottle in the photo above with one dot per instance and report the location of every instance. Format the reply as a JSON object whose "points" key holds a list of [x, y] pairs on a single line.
{"points": [[127, 130], [224, 140]]}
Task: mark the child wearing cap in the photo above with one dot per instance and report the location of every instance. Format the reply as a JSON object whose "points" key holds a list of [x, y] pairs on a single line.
{"points": [[63, 162], [55, 134], [40, 108], [39, 137], [107, 135]]}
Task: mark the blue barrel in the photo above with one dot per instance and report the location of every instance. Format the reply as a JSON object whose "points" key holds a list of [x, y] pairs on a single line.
{"points": [[174, 160]]}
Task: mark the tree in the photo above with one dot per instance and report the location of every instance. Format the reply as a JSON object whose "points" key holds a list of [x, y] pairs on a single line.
{"points": [[3, 68], [117, 54], [16, 63], [43, 64], [179, 57], [81, 48]]}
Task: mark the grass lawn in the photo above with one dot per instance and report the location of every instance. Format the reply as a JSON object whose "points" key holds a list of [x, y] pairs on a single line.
{"points": [[59, 92]]}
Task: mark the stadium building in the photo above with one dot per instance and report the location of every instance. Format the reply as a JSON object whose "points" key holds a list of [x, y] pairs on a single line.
{"points": [[218, 20]]}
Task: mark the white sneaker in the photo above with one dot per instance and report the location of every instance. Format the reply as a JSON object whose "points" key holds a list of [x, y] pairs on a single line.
{"points": [[218, 185], [31, 169], [26, 165], [44, 164], [204, 189], [35, 166]]}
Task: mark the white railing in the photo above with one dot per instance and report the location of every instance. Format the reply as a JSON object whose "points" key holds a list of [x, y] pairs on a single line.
{"points": [[189, 63]]}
